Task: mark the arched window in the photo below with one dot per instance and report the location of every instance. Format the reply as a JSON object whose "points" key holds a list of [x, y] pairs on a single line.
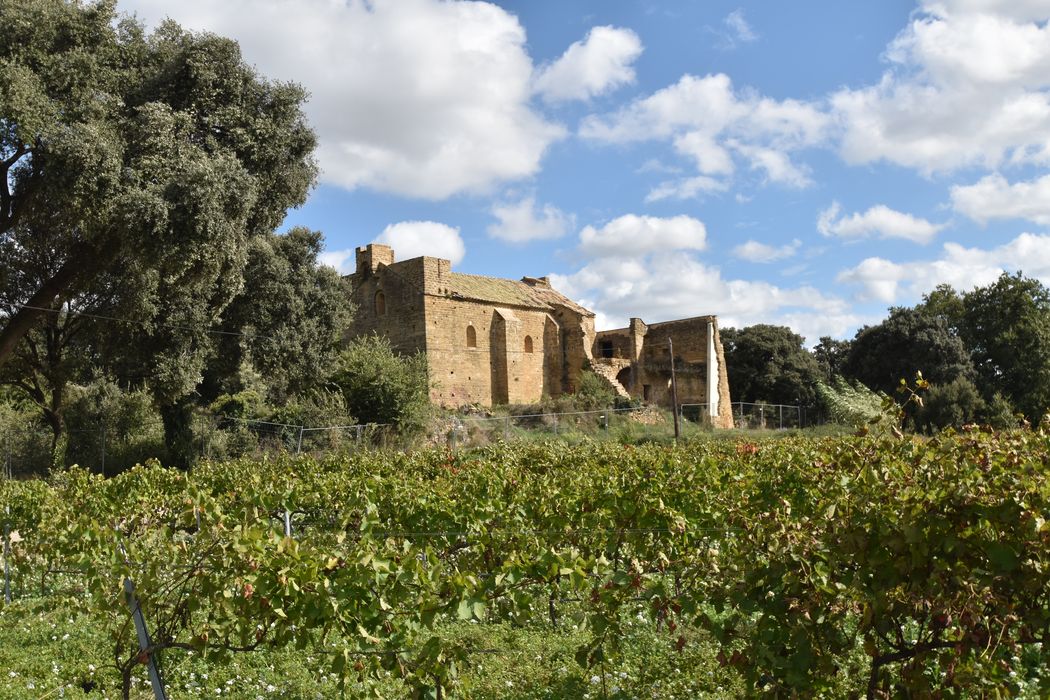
{"points": [[380, 304], [472, 337], [528, 343]]}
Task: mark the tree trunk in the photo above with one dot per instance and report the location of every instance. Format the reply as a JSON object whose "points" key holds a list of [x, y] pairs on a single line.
{"points": [[58, 438], [178, 433], [83, 262], [25, 317]]}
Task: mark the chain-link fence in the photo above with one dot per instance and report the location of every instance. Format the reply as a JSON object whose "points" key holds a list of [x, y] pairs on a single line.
{"points": [[29, 450], [228, 437], [107, 450], [474, 431], [756, 416], [32, 450]]}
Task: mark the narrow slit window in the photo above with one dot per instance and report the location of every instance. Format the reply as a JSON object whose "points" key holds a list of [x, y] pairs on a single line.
{"points": [[380, 304], [528, 343], [472, 337]]}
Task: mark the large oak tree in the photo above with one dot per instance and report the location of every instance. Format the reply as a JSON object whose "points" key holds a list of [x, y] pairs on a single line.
{"points": [[164, 151], [153, 160], [1006, 326], [770, 364], [907, 341]]}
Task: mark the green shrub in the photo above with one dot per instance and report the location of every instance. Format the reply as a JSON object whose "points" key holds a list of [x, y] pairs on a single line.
{"points": [[999, 412], [382, 387], [111, 428], [949, 405], [243, 404], [593, 393], [850, 403]]}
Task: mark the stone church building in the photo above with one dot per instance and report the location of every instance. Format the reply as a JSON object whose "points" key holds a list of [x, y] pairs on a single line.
{"points": [[497, 341]]}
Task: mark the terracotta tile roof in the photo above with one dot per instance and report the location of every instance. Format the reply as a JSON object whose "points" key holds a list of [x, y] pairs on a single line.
{"points": [[510, 292]]}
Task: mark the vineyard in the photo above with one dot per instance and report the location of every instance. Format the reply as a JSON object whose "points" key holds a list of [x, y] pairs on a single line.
{"points": [[874, 566]]}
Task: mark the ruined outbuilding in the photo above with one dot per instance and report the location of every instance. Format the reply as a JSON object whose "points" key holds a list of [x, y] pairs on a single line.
{"points": [[638, 358], [497, 341]]}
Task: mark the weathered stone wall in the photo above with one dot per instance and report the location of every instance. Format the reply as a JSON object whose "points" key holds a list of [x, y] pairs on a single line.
{"points": [[615, 344], [400, 316], [499, 369], [690, 349], [725, 405], [649, 376], [576, 336]]}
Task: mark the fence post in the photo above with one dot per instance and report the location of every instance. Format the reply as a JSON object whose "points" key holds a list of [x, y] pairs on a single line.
{"points": [[506, 430], [7, 555], [145, 645], [605, 420], [674, 393], [299, 445], [781, 416], [287, 523], [555, 423], [102, 443]]}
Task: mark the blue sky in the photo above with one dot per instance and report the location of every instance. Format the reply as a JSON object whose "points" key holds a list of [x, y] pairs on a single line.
{"points": [[807, 164]]}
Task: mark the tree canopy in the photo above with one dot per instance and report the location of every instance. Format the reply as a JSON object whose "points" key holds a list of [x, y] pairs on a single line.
{"points": [[769, 363], [909, 340], [985, 353], [143, 177], [287, 323], [165, 152], [1006, 326]]}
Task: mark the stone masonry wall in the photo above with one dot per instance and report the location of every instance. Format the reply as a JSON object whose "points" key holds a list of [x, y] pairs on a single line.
{"points": [[576, 337], [498, 369], [402, 320], [649, 377], [690, 349]]}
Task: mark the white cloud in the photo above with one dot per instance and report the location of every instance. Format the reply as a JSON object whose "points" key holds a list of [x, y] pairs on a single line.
{"points": [[521, 221], [666, 286], [633, 235], [1021, 10], [420, 98], [967, 86], [879, 220], [653, 165], [984, 45], [738, 25], [710, 123], [993, 197], [709, 155], [341, 260], [708, 106], [754, 251], [775, 164], [647, 267], [963, 268], [411, 239], [600, 63], [685, 188]]}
